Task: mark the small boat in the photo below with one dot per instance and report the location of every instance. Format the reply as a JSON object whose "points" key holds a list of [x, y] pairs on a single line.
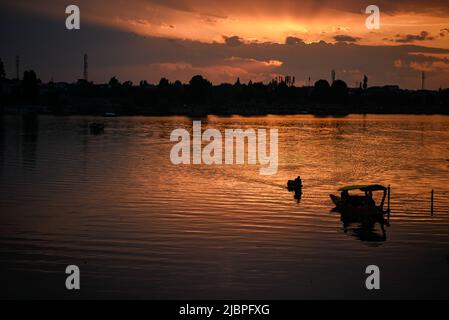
{"points": [[110, 114], [295, 185], [96, 128], [361, 203]]}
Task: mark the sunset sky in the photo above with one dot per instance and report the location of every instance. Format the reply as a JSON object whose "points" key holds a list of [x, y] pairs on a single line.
{"points": [[223, 40]]}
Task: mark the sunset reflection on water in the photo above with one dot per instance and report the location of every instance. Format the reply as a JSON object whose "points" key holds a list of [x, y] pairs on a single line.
{"points": [[139, 226]]}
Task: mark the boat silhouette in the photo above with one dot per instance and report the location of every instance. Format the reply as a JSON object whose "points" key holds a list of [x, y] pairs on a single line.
{"points": [[361, 210]]}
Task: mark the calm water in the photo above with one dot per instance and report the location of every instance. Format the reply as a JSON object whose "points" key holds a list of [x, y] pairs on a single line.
{"points": [[141, 227]]}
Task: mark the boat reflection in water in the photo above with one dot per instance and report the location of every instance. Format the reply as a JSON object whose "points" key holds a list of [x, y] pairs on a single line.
{"points": [[360, 213], [364, 227]]}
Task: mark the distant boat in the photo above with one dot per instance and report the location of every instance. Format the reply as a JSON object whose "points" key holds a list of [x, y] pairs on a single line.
{"points": [[96, 128], [110, 114], [360, 204], [295, 185]]}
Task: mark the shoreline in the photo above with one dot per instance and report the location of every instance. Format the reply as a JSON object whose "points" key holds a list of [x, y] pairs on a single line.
{"points": [[46, 110], [333, 116]]}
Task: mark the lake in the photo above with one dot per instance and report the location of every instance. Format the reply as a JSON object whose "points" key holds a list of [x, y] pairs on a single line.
{"points": [[139, 226]]}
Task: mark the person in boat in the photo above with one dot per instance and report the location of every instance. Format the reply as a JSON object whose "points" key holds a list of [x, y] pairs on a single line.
{"points": [[358, 200], [369, 199], [295, 185], [364, 201]]}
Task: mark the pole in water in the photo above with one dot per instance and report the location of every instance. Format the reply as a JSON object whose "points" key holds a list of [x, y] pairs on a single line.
{"points": [[389, 189], [431, 202]]}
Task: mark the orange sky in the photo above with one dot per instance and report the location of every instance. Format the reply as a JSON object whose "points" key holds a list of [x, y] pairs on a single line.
{"points": [[262, 21]]}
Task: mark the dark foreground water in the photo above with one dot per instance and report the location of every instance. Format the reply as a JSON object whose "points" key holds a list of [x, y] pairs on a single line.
{"points": [[140, 227]]}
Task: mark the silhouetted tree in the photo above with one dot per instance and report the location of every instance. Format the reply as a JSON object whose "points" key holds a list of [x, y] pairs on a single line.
{"points": [[200, 97], [143, 83], [2, 70], [177, 84], [340, 85], [2, 76], [113, 82], [199, 89], [321, 90], [237, 83], [163, 83], [321, 85], [365, 82], [339, 90], [198, 82], [289, 81], [30, 83], [128, 84]]}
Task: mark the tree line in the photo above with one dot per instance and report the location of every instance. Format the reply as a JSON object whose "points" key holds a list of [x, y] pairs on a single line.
{"points": [[200, 97]]}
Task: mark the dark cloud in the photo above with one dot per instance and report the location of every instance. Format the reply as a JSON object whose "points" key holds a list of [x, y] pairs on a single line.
{"points": [[233, 41], [157, 10], [424, 35], [293, 41], [345, 38]]}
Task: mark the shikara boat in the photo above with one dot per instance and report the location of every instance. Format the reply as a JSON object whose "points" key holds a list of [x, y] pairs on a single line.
{"points": [[96, 128], [358, 200]]}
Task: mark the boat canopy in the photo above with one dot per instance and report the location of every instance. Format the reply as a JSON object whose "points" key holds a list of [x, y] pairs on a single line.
{"points": [[367, 187]]}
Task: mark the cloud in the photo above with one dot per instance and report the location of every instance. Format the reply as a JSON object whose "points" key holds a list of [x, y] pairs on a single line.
{"points": [[224, 9], [345, 38], [424, 35], [129, 56], [432, 63], [233, 41], [444, 32], [253, 64], [293, 41], [261, 20], [436, 66], [226, 71]]}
